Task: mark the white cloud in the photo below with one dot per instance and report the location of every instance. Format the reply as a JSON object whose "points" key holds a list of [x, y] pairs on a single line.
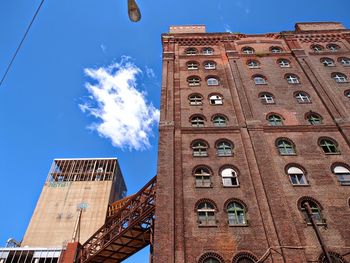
{"points": [[103, 48], [123, 114], [150, 72], [227, 28]]}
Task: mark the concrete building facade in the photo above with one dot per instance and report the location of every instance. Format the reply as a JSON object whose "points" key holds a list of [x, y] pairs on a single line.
{"points": [[74, 201], [254, 131]]}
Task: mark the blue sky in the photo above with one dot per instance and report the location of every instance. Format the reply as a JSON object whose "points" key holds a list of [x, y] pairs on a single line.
{"points": [[46, 105]]}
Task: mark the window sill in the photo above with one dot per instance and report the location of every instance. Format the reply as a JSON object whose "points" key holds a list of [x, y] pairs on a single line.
{"points": [[289, 154], [342, 82], [199, 186], [337, 153], [208, 225], [226, 155], [238, 225], [301, 185], [253, 67], [230, 186], [268, 103], [318, 224], [344, 183], [200, 155], [258, 84], [304, 102]]}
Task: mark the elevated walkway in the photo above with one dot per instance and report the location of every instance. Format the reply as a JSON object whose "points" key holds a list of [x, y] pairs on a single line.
{"points": [[128, 228]]}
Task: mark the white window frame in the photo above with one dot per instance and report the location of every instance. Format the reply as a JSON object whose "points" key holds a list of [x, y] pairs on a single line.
{"points": [[284, 63], [192, 65], [215, 100], [292, 79], [210, 65], [253, 64], [248, 50], [340, 78], [302, 97], [298, 175], [207, 51], [343, 174], [267, 98], [196, 100], [230, 177]]}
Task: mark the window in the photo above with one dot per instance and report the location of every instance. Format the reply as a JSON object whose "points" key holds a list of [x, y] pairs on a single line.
{"points": [[344, 61], [292, 79], [209, 65], [248, 50], [327, 62], [236, 213], [317, 48], [207, 51], [347, 94], [212, 81], [329, 146], [314, 118], [266, 98], [339, 77], [275, 120], [284, 63], [193, 81], [335, 257], [343, 174], [199, 148], [219, 121], [211, 260], [215, 100], [259, 80], [192, 65], [224, 148], [206, 214], [195, 99], [191, 51], [315, 211], [197, 121], [302, 97], [285, 147], [244, 257], [211, 257], [202, 175], [276, 50], [253, 64], [333, 47], [229, 177], [296, 176]]}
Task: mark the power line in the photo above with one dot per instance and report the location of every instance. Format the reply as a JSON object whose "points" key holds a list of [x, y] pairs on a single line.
{"points": [[20, 44]]}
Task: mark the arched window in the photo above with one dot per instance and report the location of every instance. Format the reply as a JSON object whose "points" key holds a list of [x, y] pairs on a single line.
{"points": [[266, 98], [343, 174], [327, 62], [211, 257], [224, 148], [344, 61], [317, 48], [207, 51], [275, 120], [329, 146], [296, 176], [219, 121], [333, 47], [244, 257], [302, 97], [335, 257], [206, 213], [253, 64], [212, 81], [229, 177], [236, 213], [209, 65], [339, 77], [347, 94], [211, 260], [314, 118], [192, 65], [199, 148], [197, 121], [315, 210], [248, 50], [285, 147], [191, 51], [203, 176], [292, 79], [259, 80], [215, 99], [193, 81], [284, 63], [195, 99], [276, 50]]}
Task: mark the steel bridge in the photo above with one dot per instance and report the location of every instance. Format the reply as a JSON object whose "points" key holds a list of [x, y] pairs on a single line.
{"points": [[128, 228]]}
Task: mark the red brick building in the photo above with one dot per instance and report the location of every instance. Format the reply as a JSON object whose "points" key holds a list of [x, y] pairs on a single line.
{"points": [[254, 130]]}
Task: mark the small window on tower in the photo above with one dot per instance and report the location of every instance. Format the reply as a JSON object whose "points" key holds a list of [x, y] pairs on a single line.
{"points": [[215, 99]]}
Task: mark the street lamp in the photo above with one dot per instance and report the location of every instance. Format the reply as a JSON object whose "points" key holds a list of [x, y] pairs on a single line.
{"points": [[133, 11]]}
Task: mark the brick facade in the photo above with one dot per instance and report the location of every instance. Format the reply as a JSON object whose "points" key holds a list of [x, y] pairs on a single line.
{"points": [[274, 226]]}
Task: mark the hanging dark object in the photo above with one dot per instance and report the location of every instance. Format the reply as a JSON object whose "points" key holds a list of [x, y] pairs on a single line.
{"points": [[133, 11]]}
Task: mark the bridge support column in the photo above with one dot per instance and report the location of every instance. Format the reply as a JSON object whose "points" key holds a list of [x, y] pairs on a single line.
{"points": [[71, 253]]}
